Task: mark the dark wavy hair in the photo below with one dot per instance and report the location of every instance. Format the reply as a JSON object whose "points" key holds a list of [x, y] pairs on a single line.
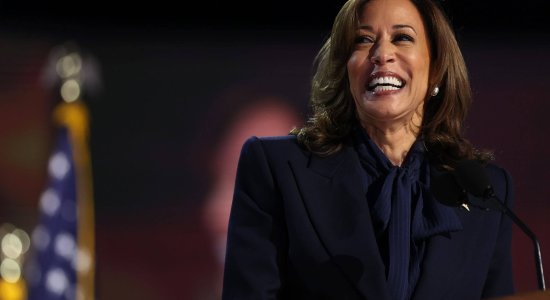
{"points": [[333, 108]]}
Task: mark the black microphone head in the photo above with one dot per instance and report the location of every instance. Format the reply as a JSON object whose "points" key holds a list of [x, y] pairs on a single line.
{"points": [[472, 176], [447, 191]]}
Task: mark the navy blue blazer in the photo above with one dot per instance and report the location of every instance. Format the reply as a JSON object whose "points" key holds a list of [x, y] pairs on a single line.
{"points": [[300, 228]]}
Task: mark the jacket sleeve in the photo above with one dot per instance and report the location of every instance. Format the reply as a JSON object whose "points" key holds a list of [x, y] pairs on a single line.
{"points": [[500, 277], [256, 233]]}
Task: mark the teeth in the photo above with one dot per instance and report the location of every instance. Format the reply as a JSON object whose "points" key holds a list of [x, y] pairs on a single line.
{"points": [[381, 88], [386, 80]]}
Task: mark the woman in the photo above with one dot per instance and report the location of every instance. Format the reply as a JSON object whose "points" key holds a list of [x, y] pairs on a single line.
{"points": [[341, 208]]}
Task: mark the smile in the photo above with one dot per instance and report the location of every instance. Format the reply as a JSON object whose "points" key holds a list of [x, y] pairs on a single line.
{"points": [[385, 83]]}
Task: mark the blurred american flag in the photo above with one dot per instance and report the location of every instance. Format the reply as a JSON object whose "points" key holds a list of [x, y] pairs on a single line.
{"points": [[62, 264], [55, 237]]}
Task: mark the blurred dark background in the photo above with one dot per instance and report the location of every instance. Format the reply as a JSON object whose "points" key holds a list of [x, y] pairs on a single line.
{"points": [[176, 84], [69, 16]]}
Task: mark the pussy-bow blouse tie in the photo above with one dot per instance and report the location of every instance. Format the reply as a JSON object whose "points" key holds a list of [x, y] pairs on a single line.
{"points": [[403, 210]]}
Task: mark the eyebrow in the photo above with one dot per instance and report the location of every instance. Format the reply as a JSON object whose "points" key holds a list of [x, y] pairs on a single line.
{"points": [[397, 26]]}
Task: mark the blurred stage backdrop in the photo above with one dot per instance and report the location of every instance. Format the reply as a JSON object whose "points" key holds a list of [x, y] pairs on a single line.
{"points": [[172, 93]]}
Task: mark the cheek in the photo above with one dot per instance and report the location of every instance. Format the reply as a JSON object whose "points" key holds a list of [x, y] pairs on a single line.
{"points": [[421, 63], [356, 71], [424, 66], [351, 65], [419, 70]]}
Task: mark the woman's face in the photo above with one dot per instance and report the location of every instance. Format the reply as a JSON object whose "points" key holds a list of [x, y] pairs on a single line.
{"points": [[388, 69]]}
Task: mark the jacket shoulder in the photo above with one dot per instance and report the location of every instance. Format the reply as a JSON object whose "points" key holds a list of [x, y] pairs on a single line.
{"points": [[502, 182], [275, 145], [275, 140], [498, 174]]}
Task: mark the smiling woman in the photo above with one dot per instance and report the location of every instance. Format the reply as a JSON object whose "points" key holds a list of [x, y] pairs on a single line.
{"points": [[388, 72], [341, 208]]}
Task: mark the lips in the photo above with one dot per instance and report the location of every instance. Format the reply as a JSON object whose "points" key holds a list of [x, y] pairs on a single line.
{"points": [[385, 81]]}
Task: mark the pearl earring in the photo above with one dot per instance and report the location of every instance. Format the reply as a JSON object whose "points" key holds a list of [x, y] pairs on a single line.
{"points": [[435, 91]]}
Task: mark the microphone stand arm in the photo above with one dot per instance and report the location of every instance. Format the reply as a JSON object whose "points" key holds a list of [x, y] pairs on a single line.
{"points": [[538, 258]]}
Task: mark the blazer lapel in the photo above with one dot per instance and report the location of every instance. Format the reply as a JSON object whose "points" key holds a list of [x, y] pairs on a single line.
{"points": [[334, 195], [443, 261]]}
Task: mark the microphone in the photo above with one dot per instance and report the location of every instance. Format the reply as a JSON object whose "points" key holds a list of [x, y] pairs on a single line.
{"points": [[447, 191], [471, 177]]}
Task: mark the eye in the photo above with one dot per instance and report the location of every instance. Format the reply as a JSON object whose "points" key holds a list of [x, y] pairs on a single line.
{"points": [[403, 38], [364, 39]]}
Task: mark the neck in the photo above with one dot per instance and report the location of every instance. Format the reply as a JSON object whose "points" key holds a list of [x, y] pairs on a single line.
{"points": [[394, 141]]}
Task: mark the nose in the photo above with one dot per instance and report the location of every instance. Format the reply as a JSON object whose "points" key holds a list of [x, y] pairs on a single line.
{"points": [[382, 53]]}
